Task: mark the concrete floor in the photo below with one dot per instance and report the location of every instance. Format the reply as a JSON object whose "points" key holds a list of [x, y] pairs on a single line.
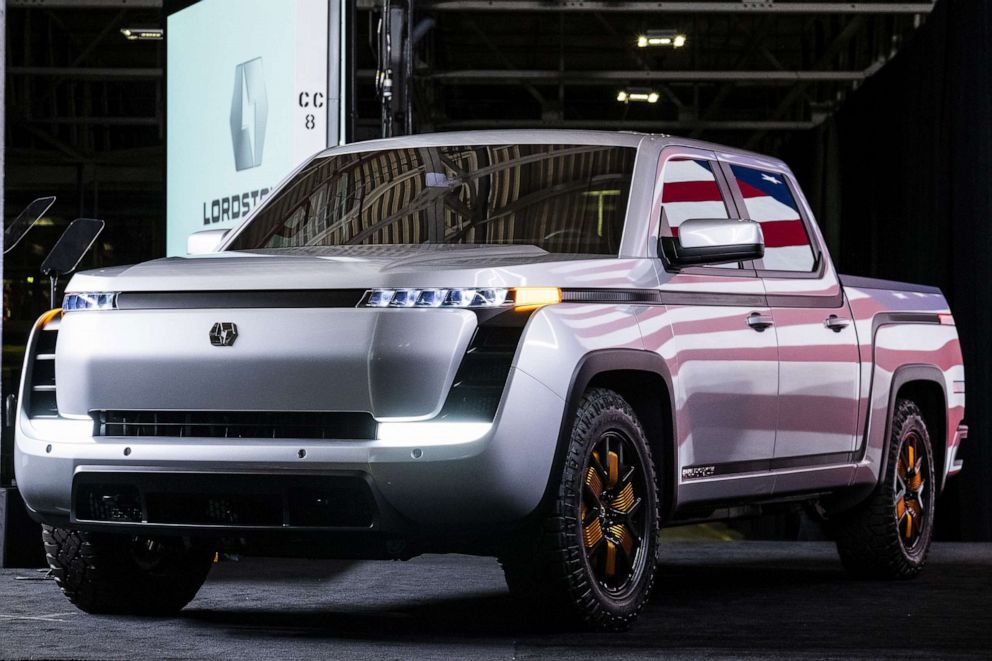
{"points": [[713, 600]]}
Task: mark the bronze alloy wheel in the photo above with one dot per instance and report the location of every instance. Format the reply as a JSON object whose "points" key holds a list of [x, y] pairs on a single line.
{"points": [[611, 513], [888, 534], [590, 560], [911, 490]]}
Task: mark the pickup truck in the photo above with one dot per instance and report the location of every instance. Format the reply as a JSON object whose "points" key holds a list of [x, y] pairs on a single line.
{"points": [[543, 346]]}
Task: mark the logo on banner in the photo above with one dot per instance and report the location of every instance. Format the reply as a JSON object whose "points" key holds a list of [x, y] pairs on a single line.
{"points": [[249, 112]]}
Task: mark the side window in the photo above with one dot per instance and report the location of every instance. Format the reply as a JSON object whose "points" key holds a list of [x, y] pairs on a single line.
{"points": [[770, 202], [690, 190]]}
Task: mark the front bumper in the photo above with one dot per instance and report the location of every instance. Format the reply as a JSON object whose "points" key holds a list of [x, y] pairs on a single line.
{"points": [[422, 477]]}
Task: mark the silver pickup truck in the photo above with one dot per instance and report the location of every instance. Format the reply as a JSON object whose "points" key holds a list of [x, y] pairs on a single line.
{"points": [[543, 346]]}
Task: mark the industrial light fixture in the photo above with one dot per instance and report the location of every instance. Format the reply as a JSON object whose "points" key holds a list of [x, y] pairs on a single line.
{"points": [[143, 34], [672, 38], [638, 94]]}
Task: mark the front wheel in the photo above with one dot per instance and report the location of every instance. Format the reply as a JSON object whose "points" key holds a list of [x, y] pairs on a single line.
{"points": [[888, 536], [123, 574], [593, 561]]}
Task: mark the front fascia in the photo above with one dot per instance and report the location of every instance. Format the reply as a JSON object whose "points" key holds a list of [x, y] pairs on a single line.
{"points": [[390, 363]]}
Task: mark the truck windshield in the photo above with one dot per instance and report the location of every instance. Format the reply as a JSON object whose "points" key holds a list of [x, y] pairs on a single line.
{"points": [[561, 198]]}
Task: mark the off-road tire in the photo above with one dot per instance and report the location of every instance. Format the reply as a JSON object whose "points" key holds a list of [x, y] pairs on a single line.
{"points": [[870, 540], [548, 570], [120, 574]]}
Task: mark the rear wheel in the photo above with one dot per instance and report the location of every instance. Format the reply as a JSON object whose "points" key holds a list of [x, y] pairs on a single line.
{"points": [[593, 560], [123, 574], [889, 535]]}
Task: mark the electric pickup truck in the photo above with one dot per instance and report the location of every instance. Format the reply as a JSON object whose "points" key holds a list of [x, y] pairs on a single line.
{"points": [[543, 346]]}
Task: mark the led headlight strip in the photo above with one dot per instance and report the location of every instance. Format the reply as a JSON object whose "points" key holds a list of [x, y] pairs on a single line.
{"points": [[89, 301], [471, 297], [486, 297]]}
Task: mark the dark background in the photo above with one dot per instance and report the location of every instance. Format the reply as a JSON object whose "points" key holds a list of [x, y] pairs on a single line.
{"points": [[896, 163], [901, 178]]}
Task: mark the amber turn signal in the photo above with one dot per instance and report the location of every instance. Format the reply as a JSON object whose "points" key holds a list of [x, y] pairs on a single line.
{"points": [[528, 298]]}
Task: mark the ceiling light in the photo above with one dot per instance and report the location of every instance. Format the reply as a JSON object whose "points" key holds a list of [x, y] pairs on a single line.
{"points": [[638, 94], [672, 38], [144, 34]]}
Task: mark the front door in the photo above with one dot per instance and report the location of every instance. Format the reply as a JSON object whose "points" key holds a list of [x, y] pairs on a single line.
{"points": [[716, 330]]}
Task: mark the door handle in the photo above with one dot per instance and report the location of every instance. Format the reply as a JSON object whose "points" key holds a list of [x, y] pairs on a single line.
{"points": [[835, 323], [759, 322]]}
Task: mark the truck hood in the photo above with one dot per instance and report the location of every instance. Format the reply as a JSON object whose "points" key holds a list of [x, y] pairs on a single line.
{"points": [[357, 267]]}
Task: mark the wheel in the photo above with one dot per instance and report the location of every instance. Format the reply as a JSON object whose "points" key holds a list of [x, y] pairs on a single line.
{"points": [[126, 575], [888, 536], [592, 560]]}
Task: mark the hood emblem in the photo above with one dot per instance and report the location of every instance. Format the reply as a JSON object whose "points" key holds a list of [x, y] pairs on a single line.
{"points": [[223, 333]]}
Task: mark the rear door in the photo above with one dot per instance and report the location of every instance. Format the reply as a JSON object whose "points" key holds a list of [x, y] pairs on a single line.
{"points": [[819, 369]]}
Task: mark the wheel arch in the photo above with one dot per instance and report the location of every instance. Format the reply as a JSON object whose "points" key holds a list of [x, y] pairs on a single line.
{"points": [[644, 380], [924, 386]]}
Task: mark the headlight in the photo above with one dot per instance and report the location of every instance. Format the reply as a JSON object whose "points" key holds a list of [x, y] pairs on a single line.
{"points": [[521, 298], [89, 301], [486, 297]]}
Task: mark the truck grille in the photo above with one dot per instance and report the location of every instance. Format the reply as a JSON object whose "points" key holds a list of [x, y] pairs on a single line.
{"points": [[215, 424]]}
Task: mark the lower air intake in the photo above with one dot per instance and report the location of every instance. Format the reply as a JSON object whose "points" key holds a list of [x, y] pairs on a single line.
{"points": [[231, 501]]}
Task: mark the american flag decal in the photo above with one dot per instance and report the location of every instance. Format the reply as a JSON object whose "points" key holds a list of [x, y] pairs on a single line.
{"points": [[770, 202], [690, 191]]}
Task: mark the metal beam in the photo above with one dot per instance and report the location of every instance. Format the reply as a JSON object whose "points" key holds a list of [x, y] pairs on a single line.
{"points": [[824, 61], [6, 455], [613, 77], [87, 4], [621, 124], [632, 53], [98, 121], [754, 42], [149, 73], [30, 176], [107, 29], [740, 7], [507, 63]]}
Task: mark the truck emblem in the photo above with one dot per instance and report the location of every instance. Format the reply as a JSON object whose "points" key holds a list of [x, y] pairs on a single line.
{"points": [[223, 334]]}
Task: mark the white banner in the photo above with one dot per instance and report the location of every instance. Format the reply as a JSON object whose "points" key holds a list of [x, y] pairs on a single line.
{"points": [[247, 102]]}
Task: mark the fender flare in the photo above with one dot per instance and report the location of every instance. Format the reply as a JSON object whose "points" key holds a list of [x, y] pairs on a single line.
{"points": [[588, 367], [903, 375]]}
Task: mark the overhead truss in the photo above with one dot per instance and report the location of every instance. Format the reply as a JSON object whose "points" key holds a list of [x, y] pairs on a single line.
{"points": [[742, 6]]}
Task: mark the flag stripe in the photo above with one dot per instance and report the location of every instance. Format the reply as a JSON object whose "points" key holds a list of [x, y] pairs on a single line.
{"points": [[783, 233], [691, 191]]}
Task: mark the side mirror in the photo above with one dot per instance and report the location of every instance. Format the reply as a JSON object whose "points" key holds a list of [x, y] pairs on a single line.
{"points": [[201, 243], [713, 241]]}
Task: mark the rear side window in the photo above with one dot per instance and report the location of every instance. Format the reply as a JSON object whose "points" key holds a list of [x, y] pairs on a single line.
{"points": [[770, 202], [690, 190]]}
